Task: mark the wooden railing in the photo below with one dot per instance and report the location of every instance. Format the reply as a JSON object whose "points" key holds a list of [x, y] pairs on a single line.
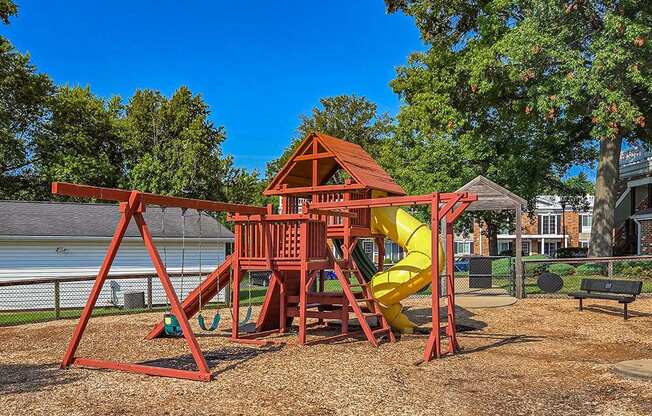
{"points": [[281, 239]]}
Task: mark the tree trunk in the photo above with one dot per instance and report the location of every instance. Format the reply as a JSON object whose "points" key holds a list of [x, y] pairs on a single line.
{"points": [[601, 243]]}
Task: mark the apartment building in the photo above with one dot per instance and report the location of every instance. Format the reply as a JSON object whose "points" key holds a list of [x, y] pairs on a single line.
{"points": [[550, 227]]}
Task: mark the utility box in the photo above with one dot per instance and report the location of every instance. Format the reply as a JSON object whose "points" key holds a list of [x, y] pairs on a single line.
{"points": [[134, 300], [480, 272]]}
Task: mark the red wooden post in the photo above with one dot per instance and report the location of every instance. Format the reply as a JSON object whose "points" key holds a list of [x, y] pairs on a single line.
{"points": [[303, 255], [121, 228], [451, 330], [283, 300], [235, 290], [433, 346], [175, 305]]}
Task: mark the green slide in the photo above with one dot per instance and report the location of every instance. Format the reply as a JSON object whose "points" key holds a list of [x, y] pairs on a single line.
{"points": [[362, 260]]}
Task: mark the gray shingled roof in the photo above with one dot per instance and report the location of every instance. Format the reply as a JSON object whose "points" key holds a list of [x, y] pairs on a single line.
{"points": [[66, 219]]}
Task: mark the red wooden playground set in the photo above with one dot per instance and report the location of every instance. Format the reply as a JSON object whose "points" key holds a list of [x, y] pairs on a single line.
{"points": [[332, 193]]}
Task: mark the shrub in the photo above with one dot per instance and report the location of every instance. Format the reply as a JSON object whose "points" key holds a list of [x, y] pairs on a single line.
{"points": [[588, 269], [562, 269], [534, 269], [632, 267]]}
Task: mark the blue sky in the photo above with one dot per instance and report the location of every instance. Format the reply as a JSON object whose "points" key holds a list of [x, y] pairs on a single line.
{"points": [[258, 64]]}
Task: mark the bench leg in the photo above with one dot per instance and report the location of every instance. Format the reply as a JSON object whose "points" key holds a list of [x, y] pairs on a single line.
{"points": [[625, 311], [581, 305]]}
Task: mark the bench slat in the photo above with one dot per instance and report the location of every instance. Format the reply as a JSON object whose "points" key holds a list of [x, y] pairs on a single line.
{"points": [[624, 287]]}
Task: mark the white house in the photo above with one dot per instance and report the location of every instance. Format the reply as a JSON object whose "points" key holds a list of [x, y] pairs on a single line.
{"points": [[61, 240]]}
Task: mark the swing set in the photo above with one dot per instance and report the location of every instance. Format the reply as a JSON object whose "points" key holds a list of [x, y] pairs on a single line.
{"points": [[298, 246]]}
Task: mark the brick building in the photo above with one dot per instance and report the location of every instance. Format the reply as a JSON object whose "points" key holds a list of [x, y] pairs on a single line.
{"points": [[633, 213], [550, 227]]}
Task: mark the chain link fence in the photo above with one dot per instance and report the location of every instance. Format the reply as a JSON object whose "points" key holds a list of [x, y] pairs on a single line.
{"points": [[37, 300], [573, 270]]}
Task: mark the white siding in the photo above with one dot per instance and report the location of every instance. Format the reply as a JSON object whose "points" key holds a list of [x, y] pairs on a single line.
{"points": [[24, 260], [39, 259]]}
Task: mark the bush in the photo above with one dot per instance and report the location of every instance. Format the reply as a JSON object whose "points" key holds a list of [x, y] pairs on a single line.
{"points": [[588, 269], [562, 269], [632, 267], [534, 269]]}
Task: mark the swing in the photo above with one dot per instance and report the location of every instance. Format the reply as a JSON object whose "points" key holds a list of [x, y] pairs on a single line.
{"points": [[249, 311], [201, 321], [171, 325]]}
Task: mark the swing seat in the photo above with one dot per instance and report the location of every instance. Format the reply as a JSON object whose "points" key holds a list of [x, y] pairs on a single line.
{"points": [[171, 325], [247, 316], [214, 324]]}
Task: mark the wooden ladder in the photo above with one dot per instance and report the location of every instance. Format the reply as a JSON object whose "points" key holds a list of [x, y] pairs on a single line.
{"points": [[362, 307]]}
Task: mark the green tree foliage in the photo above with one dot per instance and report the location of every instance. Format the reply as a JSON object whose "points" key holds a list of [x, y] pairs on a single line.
{"points": [[348, 117], [24, 95], [172, 147], [7, 9], [543, 80], [81, 141]]}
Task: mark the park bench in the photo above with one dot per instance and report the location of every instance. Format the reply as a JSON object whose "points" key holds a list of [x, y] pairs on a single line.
{"points": [[623, 291]]}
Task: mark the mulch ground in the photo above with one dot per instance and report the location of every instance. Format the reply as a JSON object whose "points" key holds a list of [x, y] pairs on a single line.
{"points": [[537, 357]]}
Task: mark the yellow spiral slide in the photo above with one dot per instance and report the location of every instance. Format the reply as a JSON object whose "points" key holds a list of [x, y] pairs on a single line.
{"points": [[410, 274]]}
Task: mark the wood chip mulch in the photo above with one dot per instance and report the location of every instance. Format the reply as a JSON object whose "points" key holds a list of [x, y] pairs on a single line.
{"points": [[537, 357]]}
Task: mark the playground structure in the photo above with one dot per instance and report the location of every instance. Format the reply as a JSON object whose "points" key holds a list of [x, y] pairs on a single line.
{"points": [[332, 193]]}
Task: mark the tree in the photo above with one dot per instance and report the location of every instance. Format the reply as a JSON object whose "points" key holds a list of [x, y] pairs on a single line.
{"points": [[7, 9], [572, 73], [172, 147], [24, 96], [348, 117], [80, 142]]}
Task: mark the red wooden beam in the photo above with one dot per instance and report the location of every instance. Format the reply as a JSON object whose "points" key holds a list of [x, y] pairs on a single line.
{"points": [[322, 155], [394, 201], [112, 194], [331, 213], [315, 189]]}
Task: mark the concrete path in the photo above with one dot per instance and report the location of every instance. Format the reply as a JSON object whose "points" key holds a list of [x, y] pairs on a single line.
{"points": [[635, 368]]}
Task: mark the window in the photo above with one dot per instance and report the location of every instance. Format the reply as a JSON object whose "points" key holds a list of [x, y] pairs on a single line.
{"points": [[550, 247], [586, 223], [505, 246], [393, 252], [368, 247], [525, 245], [549, 223], [463, 247], [584, 244]]}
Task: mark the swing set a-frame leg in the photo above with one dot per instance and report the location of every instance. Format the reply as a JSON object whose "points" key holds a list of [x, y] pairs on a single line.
{"points": [[128, 210]]}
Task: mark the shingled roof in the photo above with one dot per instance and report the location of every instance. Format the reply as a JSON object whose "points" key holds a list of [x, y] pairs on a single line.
{"points": [[363, 169], [81, 220]]}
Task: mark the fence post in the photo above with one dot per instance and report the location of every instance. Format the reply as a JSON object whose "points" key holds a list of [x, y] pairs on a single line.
{"points": [[610, 268], [149, 292], [57, 300]]}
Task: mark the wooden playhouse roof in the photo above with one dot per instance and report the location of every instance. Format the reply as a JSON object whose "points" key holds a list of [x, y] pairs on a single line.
{"points": [[331, 154]]}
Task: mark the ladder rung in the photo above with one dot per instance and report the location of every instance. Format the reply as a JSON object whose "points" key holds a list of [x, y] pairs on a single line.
{"points": [[368, 314], [359, 285], [365, 299], [381, 330]]}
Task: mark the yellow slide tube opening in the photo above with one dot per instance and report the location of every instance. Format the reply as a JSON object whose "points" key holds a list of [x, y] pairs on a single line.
{"points": [[409, 275]]}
